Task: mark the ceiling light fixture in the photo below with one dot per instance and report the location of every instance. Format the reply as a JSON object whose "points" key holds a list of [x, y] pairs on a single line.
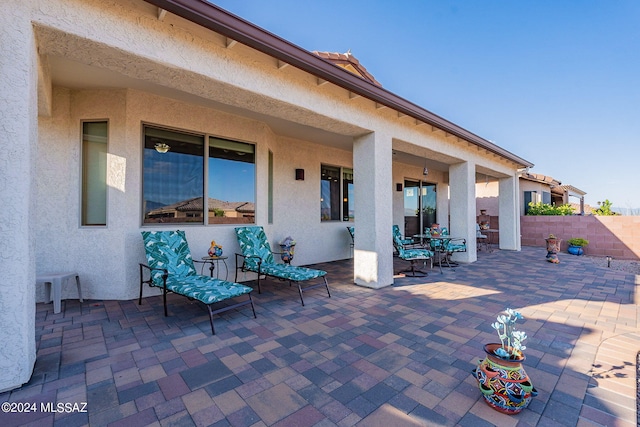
{"points": [[162, 147]]}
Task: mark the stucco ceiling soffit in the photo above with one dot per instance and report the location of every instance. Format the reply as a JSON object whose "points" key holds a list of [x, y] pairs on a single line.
{"points": [[81, 63], [220, 21]]}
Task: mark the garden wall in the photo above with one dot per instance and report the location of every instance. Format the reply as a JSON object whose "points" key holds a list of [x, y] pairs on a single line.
{"points": [[616, 236]]}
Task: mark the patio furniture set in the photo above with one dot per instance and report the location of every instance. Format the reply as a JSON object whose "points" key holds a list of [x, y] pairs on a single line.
{"points": [[434, 242], [170, 267]]}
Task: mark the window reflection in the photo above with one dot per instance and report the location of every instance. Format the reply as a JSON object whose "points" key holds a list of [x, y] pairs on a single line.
{"points": [[231, 182], [174, 179]]}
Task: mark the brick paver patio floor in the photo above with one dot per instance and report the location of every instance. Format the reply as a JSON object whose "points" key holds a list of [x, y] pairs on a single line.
{"points": [[396, 356]]}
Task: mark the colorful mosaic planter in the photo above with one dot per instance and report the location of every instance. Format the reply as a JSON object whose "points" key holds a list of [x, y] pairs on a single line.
{"points": [[504, 384]]}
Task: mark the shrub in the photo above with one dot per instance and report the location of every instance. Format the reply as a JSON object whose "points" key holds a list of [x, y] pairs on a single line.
{"points": [[604, 209], [546, 209], [577, 241]]}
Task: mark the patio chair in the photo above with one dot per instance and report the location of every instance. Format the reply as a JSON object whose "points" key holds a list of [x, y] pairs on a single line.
{"points": [[482, 239], [411, 254], [453, 245], [170, 267], [407, 243], [257, 257]]}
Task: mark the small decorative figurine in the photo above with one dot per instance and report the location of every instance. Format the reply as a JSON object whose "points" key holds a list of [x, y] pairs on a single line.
{"points": [[215, 249], [553, 247], [288, 246]]}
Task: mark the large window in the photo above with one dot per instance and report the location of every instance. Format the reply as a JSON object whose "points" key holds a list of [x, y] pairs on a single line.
{"points": [[336, 194], [180, 167], [94, 174]]}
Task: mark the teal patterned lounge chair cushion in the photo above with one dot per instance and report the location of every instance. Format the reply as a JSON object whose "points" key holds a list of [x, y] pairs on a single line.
{"points": [[169, 250], [454, 245], [206, 289], [409, 254], [255, 246], [290, 272]]}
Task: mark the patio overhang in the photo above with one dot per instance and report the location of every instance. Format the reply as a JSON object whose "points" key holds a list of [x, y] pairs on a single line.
{"points": [[236, 29]]}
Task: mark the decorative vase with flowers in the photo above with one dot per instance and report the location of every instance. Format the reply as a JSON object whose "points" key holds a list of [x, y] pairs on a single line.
{"points": [[504, 384]]}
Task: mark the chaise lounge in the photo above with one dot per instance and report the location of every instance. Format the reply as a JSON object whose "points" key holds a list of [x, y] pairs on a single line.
{"points": [[257, 257], [170, 267]]}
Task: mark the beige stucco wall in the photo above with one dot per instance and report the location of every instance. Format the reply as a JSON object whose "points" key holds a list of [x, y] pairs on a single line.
{"points": [[18, 135], [487, 197], [62, 244]]}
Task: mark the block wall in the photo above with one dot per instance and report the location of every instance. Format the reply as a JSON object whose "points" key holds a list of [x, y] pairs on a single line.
{"points": [[616, 236]]}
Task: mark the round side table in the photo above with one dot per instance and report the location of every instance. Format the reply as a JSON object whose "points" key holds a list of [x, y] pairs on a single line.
{"points": [[214, 262]]}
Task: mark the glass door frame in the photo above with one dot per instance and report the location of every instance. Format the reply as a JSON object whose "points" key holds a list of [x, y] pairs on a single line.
{"points": [[420, 197]]}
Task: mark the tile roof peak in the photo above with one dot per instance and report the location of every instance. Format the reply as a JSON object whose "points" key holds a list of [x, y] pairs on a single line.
{"points": [[349, 62]]}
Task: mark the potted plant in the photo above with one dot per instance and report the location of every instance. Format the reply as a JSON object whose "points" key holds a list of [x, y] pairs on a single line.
{"points": [[576, 245], [504, 384]]}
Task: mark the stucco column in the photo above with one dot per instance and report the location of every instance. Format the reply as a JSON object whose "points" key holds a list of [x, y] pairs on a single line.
{"points": [[373, 252], [509, 212], [462, 208], [442, 205], [18, 121]]}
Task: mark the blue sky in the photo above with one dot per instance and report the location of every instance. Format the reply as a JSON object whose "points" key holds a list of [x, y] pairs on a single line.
{"points": [[553, 81]]}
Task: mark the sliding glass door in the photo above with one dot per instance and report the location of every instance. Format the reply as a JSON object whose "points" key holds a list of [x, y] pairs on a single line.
{"points": [[419, 206]]}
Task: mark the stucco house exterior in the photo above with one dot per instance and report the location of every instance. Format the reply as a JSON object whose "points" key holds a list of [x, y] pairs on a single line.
{"points": [[92, 89]]}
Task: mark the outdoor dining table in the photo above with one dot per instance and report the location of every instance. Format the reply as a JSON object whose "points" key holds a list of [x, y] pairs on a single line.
{"points": [[441, 249], [422, 237]]}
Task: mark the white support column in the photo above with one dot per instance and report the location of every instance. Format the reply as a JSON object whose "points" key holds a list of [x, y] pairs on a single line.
{"points": [[462, 183], [18, 121], [442, 205], [509, 212], [373, 185]]}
